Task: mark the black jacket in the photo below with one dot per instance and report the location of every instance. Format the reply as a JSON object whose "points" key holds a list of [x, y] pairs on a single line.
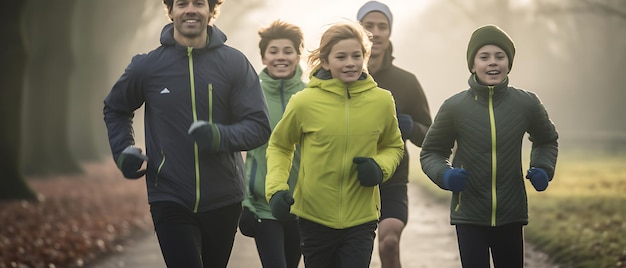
{"points": [[410, 99]]}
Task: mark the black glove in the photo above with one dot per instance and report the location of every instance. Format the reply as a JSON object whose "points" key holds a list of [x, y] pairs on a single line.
{"points": [[539, 178], [130, 161], [280, 204], [368, 171], [206, 135], [455, 179], [247, 222], [405, 123]]}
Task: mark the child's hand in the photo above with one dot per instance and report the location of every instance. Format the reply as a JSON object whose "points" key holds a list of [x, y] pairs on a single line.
{"points": [[368, 171], [455, 179], [280, 204], [539, 178]]}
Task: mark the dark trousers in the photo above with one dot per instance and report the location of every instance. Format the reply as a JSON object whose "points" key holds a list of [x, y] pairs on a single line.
{"points": [[278, 243], [325, 247], [505, 242], [195, 240]]}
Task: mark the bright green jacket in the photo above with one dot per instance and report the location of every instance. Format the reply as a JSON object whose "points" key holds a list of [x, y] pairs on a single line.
{"points": [[334, 122], [277, 94]]}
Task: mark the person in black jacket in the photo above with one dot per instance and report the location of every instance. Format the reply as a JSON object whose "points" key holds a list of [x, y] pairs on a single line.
{"points": [[203, 106], [488, 122], [413, 119]]}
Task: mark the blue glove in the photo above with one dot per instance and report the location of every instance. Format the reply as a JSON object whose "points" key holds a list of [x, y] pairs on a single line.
{"points": [[405, 123], [130, 161], [206, 135], [280, 205], [368, 171], [539, 178], [455, 179]]}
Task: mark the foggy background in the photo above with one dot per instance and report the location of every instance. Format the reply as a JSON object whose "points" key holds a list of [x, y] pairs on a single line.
{"points": [[570, 52]]}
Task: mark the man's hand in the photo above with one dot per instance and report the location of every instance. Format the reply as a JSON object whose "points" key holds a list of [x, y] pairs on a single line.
{"points": [[206, 135], [130, 161]]}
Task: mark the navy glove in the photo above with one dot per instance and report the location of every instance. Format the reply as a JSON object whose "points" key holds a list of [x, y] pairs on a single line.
{"points": [[368, 171], [539, 178], [206, 135], [455, 179], [280, 204], [405, 123], [130, 161]]}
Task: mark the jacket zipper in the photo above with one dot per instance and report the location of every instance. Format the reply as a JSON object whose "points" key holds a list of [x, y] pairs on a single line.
{"points": [[494, 161], [156, 181], [195, 118], [345, 151]]}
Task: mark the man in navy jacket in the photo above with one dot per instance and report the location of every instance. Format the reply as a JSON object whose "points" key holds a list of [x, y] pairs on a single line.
{"points": [[203, 106]]}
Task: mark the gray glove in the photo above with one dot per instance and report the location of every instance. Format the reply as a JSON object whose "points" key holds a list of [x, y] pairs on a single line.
{"points": [[206, 135], [130, 161]]}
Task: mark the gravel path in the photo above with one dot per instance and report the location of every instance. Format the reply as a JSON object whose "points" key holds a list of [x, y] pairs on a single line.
{"points": [[429, 241]]}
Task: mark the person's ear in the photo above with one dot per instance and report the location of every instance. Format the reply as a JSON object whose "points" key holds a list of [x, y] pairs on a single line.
{"points": [[325, 64]]}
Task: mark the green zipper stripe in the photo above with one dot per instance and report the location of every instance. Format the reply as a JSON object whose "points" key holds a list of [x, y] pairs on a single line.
{"points": [[156, 181], [494, 162], [195, 118]]}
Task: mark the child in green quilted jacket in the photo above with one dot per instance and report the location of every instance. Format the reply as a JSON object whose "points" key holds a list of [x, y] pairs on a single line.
{"points": [[487, 123]]}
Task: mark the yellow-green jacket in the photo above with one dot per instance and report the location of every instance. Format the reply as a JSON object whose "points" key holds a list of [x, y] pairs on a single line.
{"points": [[334, 122]]}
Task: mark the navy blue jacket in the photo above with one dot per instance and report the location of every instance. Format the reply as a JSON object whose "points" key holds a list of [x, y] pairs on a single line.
{"points": [[178, 85]]}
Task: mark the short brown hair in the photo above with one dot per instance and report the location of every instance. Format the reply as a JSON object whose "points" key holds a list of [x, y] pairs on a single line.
{"points": [[281, 30], [214, 7]]}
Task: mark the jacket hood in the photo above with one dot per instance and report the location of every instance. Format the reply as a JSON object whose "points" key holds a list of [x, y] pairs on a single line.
{"points": [[322, 79], [216, 37]]}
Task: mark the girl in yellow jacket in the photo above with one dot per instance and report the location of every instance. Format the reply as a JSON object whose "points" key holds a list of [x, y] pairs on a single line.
{"points": [[349, 139]]}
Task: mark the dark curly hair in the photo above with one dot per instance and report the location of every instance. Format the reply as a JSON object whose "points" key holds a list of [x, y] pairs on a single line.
{"points": [[214, 6]]}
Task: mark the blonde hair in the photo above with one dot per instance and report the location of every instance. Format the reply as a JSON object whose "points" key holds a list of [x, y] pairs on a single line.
{"points": [[338, 32]]}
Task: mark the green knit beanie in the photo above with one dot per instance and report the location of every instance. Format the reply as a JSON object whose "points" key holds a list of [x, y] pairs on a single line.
{"points": [[490, 35]]}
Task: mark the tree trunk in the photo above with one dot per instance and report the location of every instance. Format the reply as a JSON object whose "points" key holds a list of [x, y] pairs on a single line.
{"points": [[50, 64], [13, 184]]}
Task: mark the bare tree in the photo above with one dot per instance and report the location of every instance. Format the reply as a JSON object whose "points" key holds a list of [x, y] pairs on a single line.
{"points": [[13, 184], [48, 68]]}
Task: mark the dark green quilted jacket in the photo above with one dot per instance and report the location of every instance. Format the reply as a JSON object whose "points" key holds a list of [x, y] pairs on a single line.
{"points": [[487, 125]]}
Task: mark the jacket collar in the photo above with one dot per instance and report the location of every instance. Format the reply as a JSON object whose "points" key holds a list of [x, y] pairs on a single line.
{"points": [[216, 37], [322, 79], [482, 90], [273, 86]]}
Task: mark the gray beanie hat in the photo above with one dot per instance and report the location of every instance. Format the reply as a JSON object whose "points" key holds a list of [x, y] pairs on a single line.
{"points": [[374, 6], [490, 35]]}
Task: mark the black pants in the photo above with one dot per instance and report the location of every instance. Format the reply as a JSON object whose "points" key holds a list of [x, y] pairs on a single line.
{"points": [[195, 240], [325, 247], [278, 243], [505, 242]]}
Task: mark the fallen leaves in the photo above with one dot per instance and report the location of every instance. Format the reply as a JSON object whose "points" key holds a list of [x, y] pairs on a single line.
{"points": [[79, 218]]}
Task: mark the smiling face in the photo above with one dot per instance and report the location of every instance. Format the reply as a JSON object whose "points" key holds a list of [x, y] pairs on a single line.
{"points": [[280, 58], [190, 18], [377, 24], [345, 60], [491, 65]]}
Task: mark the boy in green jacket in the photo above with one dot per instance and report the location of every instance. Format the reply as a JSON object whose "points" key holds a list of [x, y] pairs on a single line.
{"points": [[487, 122]]}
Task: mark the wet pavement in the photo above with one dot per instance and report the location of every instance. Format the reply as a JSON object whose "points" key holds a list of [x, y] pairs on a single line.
{"points": [[428, 241]]}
